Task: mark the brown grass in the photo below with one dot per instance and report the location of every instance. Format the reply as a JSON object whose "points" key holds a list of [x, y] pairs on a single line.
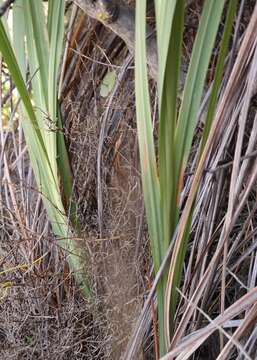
{"points": [[42, 314]]}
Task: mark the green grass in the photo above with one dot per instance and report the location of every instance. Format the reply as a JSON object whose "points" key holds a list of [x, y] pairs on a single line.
{"points": [[163, 180], [37, 45]]}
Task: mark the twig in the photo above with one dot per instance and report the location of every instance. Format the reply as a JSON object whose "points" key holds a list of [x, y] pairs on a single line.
{"points": [[226, 164]]}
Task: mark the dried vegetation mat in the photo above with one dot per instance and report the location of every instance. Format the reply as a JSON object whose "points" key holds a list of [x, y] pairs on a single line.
{"points": [[42, 314], [104, 155]]}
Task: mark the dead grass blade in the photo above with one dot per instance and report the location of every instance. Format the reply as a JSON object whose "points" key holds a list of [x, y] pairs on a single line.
{"points": [[247, 323], [187, 346], [236, 168], [229, 97]]}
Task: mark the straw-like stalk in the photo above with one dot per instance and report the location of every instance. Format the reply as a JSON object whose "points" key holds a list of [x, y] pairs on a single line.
{"points": [[36, 45]]}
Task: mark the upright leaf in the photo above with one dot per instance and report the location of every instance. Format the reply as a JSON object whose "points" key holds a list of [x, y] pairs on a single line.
{"points": [[151, 187], [40, 35], [56, 45], [167, 125], [194, 86]]}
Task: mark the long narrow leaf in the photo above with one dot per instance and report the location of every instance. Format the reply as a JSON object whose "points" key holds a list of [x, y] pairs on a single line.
{"points": [[186, 124], [219, 68], [194, 86], [151, 187], [35, 71], [41, 40], [46, 181], [164, 10], [56, 44], [19, 36], [168, 121], [9, 57]]}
